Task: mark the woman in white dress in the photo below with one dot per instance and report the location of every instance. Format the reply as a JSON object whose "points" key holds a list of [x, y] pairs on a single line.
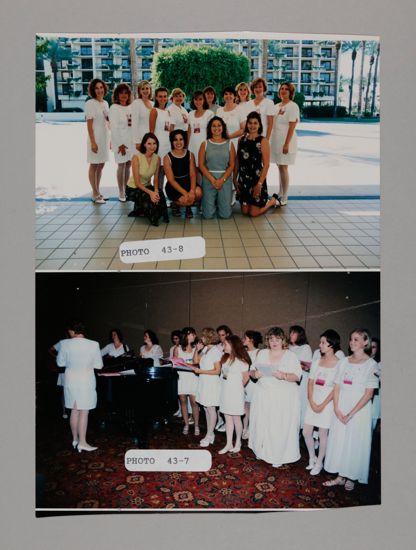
{"points": [[188, 381], [208, 357], [80, 357], [320, 408], [178, 114], [235, 364], [151, 348], [242, 91], [140, 111], [284, 139], [260, 104], [121, 137], [232, 116], [198, 122], [252, 340], [160, 124], [275, 408], [298, 343], [376, 403], [211, 98], [349, 441], [96, 114]]}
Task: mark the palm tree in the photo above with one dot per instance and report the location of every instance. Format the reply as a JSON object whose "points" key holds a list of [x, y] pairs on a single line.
{"points": [[373, 99], [360, 92], [53, 52], [353, 57], [370, 70], [133, 65], [337, 50], [264, 57]]}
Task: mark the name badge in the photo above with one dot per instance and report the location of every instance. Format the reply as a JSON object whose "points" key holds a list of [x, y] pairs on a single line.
{"points": [[348, 381], [320, 382]]}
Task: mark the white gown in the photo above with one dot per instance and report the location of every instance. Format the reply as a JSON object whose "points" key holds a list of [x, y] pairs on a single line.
{"points": [[98, 112], [208, 392], [323, 379], [188, 381], [120, 126], [303, 353], [349, 445], [232, 387], [80, 357], [275, 413], [283, 115], [198, 127], [245, 108], [140, 120], [249, 387]]}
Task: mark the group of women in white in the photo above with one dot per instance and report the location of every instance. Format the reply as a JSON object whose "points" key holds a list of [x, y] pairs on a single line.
{"points": [[265, 395], [206, 155]]}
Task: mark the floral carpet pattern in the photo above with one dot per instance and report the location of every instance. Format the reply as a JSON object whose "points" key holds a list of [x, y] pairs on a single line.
{"points": [[68, 479]]}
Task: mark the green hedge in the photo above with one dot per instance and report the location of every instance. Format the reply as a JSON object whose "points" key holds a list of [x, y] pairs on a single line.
{"points": [[324, 111]]}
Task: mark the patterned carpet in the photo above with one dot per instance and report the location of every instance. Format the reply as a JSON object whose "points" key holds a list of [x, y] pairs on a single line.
{"points": [[68, 479]]}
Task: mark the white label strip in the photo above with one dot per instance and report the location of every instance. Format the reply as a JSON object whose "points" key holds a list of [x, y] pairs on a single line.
{"points": [[164, 460], [156, 250]]}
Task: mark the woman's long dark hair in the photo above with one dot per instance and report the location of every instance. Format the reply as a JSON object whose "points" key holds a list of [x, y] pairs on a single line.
{"points": [[224, 127], [238, 351]]}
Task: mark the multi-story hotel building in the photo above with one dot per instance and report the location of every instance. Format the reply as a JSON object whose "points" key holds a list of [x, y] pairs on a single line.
{"points": [[309, 64]]}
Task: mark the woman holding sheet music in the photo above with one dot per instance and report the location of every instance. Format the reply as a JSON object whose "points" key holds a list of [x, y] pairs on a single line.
{"points": [[275, 408], [188, 381]]}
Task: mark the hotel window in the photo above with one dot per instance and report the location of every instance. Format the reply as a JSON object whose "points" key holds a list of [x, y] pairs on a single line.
{"points": [[288, 52], [86, 63], [86, 50], [306, 65], [326, 52], [306, 52], [326, 65], [305, 89]]}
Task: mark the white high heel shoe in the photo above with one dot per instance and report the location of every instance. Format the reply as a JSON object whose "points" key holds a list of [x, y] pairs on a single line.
{"points": [[75, 444], [226, 449], [89, 448], [207, 441]]}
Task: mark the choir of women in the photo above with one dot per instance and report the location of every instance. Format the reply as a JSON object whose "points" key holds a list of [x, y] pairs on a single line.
{"points": [[223, 373], [213, 145]]}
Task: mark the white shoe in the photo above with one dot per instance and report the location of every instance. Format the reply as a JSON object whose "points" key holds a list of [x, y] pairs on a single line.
{"points": [[221, 428], [88, 448], [122, 199], [226, 449], [99, 200], [207, 441], [233, 199], [311, 464], [283, 200], [191, 420], [316, 470], [178, 413]]}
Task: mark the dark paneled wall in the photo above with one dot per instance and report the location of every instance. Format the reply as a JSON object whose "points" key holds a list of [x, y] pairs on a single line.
{"points": [[166, 301]]}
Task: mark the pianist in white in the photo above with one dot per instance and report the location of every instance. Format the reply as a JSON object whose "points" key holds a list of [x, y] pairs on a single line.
{"points": [[151, 348]]}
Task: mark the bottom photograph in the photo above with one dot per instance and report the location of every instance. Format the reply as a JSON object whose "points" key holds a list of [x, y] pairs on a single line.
{"points": [[276, 375]]}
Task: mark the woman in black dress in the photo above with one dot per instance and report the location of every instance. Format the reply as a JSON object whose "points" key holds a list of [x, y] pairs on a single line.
{"points": [[180, 170], [253, 160]]}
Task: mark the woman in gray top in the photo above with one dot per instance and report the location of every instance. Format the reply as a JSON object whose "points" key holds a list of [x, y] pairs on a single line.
{"points": [[216, 162]]}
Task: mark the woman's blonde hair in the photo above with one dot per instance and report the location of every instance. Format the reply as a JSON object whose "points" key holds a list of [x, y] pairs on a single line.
{"points": [[177, 91], [256, 81], [279, 333], [237, 88], [210, 335], [141, 85]]}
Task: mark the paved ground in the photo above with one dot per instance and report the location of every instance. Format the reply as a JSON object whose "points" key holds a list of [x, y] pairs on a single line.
{"points": [[306, 234], [334, 159]]}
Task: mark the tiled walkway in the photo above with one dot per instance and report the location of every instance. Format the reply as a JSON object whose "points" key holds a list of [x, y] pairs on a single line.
{"points": [[306, 234]]}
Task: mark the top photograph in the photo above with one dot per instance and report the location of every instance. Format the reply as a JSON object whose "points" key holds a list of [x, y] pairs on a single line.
{"points": [[219, 151]]}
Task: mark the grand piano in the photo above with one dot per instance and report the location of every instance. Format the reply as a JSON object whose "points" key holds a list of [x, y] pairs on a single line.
{"points": [[135, 395]]}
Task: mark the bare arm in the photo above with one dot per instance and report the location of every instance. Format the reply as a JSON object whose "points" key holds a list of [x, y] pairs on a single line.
{"points": [[94, 146], [215, 371], [152, 120], [290, 132]]}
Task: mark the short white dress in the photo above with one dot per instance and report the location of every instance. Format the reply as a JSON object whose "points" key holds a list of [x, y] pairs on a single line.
{"points": [[349, 445], [155, 353], [80, 357], [303, 353], [208, 392], [162, 129], [323, 383], [187, 381], [198, 127], [233, 120], [120, 127], [249, 387], [179, 117], [275, 413], [140, 120], [232, 387], [265, 108], [98, 112], [283, 115]]}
